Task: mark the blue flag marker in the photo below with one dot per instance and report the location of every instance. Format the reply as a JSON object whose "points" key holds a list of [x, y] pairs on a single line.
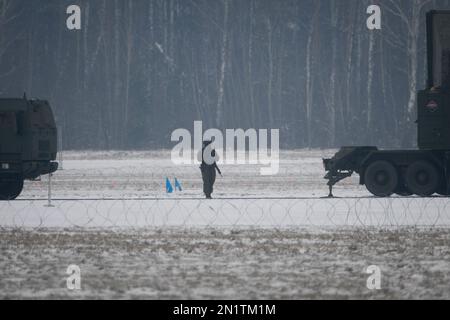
{"points": [[169, 188], [177, 185]]}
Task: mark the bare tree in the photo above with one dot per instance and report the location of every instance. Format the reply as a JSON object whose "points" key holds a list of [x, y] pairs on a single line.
{"points": [[223, 66], [411, 18], [310, 69]]}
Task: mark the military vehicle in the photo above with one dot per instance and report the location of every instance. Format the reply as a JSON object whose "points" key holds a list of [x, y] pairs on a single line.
{"points": [[28, 143], [426, 170]]}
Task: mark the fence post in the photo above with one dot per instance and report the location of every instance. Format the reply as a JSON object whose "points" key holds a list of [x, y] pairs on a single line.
{"points": [[60, 148], [49, 199]]}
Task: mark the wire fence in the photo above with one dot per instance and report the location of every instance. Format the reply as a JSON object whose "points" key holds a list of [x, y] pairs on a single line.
{"points": [[278, 213], [117, 190]]}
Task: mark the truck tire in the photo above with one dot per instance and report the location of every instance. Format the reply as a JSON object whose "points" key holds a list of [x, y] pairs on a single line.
{"points": [[422, 178], [10, 189], [381, 178]]}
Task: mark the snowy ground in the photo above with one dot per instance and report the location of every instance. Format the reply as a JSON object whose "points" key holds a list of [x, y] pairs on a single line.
{"points": [[142, 174], [127, 189], [226, 264], [112, 217]]}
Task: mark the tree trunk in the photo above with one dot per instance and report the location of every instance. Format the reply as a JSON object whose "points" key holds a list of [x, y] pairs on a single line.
{"points": [[223, 66]]}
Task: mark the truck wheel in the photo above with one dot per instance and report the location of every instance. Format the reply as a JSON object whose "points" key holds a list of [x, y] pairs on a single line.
{"points": [[422, 178], [381, 178], [10, 189]]}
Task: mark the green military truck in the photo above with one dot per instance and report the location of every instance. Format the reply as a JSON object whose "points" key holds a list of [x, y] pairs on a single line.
{"points": [[28, 144], [424, 171]]}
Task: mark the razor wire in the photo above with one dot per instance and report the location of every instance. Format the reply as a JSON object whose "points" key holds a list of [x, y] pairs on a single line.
{"points": [[95, 195], [229, 213]]}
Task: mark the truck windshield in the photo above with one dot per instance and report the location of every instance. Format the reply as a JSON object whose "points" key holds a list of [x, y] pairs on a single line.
{"points": [[43, 116]]}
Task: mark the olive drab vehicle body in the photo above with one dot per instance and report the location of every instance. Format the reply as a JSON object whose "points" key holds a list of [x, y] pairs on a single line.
{"points": [[426, 170], [28, 143]]}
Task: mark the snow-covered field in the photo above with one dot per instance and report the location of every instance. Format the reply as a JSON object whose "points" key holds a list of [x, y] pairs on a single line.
{"points": [[261, 237], [127, 189], [142, 174], [226, 264]]}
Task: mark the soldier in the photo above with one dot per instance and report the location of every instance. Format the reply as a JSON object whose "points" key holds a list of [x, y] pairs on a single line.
{"points": [[208, 168]]}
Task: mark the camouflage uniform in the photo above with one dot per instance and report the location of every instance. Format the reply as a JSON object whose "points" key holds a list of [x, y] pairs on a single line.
{"points": [[208, 171]]}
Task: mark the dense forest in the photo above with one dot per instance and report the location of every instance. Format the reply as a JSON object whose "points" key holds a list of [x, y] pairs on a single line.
{"points": [[139, 69]]}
